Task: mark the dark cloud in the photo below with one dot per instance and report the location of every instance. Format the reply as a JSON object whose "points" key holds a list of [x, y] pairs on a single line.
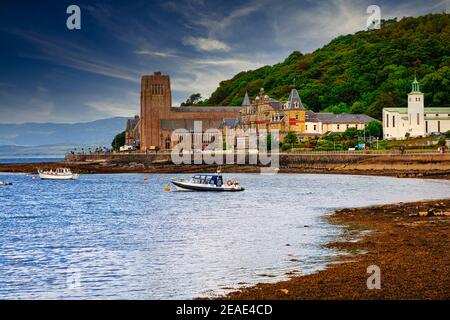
{"points": [[52, 74]]}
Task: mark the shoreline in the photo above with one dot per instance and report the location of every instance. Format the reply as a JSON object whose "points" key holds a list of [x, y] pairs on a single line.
{"points": [[411, 252], [433, 167]]}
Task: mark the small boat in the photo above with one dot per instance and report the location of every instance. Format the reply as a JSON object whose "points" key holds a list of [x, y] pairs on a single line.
{"points": [[58, 174], [5, 184], [207, 182]]}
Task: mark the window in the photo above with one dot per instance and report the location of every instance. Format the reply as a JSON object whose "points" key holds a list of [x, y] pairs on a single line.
{"points": [[387, 121], [337, 126], [157, 89], [439, 126], [315, 126], [426, 126], [347, 126], [306, 127], [296, 117], [418, 119], [437, 114], [393, 121]]}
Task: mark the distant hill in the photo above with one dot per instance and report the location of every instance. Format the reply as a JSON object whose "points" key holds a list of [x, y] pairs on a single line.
{"points": [[359, 73], [47, 151], [99, 132]]}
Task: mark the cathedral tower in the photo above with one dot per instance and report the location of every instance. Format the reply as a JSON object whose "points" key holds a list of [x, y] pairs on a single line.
{"points": [[156, 101]]}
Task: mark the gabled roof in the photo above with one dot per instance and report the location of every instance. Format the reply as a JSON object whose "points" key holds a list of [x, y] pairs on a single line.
{"points": [[276, 105], [294, 101], [326, 117], [132, 123]]}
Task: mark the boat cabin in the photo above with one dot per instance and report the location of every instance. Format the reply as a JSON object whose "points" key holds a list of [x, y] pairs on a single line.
{"points": [[213, 179]]}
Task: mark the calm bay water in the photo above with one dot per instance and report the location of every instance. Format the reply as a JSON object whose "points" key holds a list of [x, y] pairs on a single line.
{"points": [[31, 159], [118, 236]]}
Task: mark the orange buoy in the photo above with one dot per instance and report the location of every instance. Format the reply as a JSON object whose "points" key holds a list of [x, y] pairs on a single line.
{"points": [[167, 188]]}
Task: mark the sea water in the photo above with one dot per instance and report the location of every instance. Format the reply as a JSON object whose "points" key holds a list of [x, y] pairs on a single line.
{"points": [[123, 237]]}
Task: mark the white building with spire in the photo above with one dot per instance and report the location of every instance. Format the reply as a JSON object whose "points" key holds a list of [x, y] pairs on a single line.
{"points": [[416, 120]]}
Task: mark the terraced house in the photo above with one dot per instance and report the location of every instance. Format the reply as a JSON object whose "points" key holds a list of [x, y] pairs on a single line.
{"points": [[291, 116]]}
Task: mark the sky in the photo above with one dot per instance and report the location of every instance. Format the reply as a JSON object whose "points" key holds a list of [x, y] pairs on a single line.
{"points": [[49, 73]]}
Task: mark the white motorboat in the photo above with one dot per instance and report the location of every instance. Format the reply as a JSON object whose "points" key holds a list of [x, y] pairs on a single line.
{"points": [[207, 182], [58, 174]]}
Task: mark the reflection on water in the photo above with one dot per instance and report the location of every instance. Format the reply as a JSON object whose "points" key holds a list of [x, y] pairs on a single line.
{"points": [[118, 236]]}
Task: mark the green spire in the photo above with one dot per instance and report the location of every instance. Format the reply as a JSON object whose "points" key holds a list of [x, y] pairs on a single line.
{"points": [[415, 85]]}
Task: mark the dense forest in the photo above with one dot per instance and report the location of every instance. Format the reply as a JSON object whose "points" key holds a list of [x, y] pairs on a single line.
{"points": [[359, 73]]}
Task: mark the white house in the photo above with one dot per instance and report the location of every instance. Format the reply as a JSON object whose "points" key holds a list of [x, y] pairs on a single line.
{"points": [[323, 122], [416, 120]]}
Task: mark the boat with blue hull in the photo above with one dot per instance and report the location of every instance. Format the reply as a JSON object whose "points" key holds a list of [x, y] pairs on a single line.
{"points": [[207, 182]]}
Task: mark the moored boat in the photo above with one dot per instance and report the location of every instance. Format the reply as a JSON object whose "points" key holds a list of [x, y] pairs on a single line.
{"points": [[58, 174], [5, 184], [207, 182]]}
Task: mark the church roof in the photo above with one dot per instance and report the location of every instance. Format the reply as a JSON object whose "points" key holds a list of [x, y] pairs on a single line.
{"points": [[246, 101], [398, 110], [294, 101], [205, 108], [188, 124], [426, 110]]}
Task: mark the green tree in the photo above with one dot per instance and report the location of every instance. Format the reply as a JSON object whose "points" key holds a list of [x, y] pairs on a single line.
{"points": [[118, 141], [436, 87], [291, 138], [337, 109], [374, 129], [358, 107], [194, 98], [351, 133]]}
